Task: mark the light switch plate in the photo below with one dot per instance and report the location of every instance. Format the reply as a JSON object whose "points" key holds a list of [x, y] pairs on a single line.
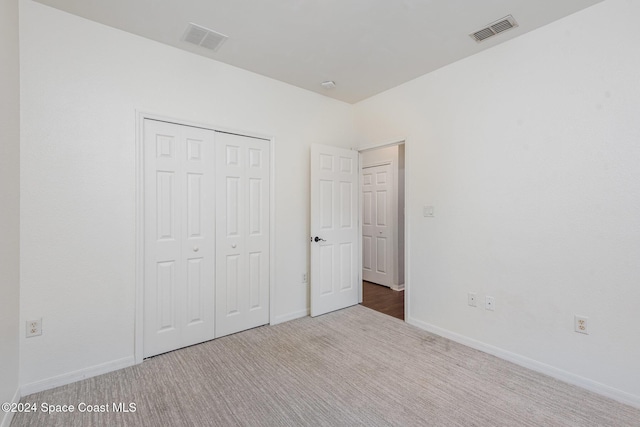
{"points": [[427, 211]]}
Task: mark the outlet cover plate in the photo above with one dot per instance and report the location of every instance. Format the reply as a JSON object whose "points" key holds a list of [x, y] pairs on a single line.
{"points": [[34, 328], [581, 324], [472, 299], [490, 303]]}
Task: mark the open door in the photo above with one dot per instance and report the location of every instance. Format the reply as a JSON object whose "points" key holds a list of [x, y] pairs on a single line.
{"points": [[335, 262]]}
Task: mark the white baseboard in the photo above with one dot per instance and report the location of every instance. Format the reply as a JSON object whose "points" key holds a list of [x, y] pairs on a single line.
{"points": [[78, 375], [534, 365], [398, 288], [290, 316], [8, 416]]}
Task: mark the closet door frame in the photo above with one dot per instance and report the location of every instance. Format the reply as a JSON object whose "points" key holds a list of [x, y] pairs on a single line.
{"points": [[141, 116]]}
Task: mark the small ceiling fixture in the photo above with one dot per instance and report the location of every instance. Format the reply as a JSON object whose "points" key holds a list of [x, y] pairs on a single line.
{"points": [[329, 84], [203, 37], [494, 28]]}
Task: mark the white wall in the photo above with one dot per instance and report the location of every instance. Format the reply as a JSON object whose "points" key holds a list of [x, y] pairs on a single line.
{"points": [[530, 154], [81, 86], [10, 205]]}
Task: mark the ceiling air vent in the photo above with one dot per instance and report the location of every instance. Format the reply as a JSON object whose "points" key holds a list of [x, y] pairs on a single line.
{"points": [[329, 84], [494, 28], [204, 37]]}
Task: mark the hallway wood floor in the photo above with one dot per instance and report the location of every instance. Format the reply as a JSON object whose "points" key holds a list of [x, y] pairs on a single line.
{"points": [[383, 299]]}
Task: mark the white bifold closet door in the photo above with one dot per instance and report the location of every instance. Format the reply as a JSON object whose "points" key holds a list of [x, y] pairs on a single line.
{"points": [[206, 235], [179, 236], [242, 228]]}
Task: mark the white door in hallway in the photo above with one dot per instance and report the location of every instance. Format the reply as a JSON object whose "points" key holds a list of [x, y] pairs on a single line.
{"points": [[334, 229], [377, 224], [242, 228], [179, 236]]}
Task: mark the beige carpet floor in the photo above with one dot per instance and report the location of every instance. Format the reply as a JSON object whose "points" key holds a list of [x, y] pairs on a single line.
{"points": [[354, 367]]}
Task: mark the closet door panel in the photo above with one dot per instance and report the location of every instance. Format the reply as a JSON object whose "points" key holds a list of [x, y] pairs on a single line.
{"points": [[242, 224]]}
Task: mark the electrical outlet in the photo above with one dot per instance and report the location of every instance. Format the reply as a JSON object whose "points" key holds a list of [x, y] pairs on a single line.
{"points": [[305, 278], [490, 303], [581, 324], [34, 328], [427, 211], [471, 299]]}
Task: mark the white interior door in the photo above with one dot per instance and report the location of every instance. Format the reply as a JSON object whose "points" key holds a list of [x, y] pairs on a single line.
{"points": [[335, 264], [179, 236], [377, 224], [242, 227]]}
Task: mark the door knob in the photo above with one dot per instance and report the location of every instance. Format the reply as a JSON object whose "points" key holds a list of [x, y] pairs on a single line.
{"points": [[318, 239], [196, 249]]}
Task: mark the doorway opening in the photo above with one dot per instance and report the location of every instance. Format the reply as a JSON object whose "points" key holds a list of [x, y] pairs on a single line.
{"points": [[382, 193]]}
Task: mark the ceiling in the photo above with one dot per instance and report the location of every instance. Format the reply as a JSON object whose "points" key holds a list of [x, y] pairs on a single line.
{"points": [[365, 46]]}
